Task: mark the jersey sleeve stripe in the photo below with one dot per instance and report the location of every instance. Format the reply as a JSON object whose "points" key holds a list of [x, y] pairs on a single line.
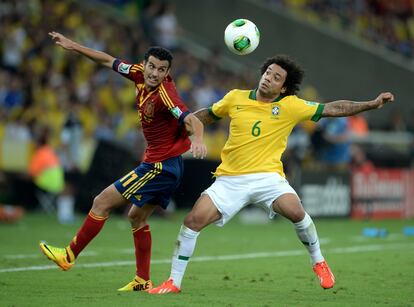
{"points": [[318, 114], [165, 98], [136, 68]]}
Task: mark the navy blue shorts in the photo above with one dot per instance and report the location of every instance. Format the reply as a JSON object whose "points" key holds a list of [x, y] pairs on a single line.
{"points": [[152, 183]]}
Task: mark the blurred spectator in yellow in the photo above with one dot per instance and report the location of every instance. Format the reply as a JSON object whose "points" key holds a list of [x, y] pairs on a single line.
{"points": [[47, 172]]}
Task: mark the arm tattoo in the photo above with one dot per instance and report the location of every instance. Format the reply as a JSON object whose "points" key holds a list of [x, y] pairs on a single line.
{"points": [[345, 108], [204, 116]]}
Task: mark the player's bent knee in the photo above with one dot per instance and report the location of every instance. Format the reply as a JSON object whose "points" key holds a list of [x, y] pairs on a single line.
{"points": [[193, 222], [296, 215], [100, 206], [136, 220]]}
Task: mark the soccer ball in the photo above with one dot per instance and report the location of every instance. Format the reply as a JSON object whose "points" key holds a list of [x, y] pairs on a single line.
{"points": [[242, 36]]}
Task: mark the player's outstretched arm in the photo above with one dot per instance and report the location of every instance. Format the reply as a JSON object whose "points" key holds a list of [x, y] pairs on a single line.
{"points": [[195, 128], [99, 57], [341, 108], [204, 116]]}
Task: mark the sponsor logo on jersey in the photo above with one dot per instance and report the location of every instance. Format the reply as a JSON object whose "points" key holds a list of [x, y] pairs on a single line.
{"points": [[176, 112], [124, 68]]}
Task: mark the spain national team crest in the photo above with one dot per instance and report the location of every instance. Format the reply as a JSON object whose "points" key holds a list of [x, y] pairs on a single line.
{"points": [[148, 111]]}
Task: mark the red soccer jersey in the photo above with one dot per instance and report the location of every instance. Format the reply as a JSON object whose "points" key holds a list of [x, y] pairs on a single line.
{"points": [[161, 113]]}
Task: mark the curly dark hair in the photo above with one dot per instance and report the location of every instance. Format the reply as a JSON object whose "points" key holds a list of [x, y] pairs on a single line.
{"points": [[160, 53], [294, 72]]}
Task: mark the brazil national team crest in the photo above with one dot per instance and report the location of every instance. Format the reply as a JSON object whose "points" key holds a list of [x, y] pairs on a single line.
{"points": [[275, 111]]}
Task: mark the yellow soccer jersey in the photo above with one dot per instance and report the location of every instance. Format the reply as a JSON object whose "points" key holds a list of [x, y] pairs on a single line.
{"points": [[259, 131]]}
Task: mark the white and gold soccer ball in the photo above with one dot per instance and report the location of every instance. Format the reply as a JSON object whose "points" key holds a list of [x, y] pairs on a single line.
{"points": [[242, 36]]}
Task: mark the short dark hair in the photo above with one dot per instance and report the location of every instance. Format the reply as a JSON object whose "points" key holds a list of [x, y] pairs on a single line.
{"points": [[160, 53], [294, 72]]}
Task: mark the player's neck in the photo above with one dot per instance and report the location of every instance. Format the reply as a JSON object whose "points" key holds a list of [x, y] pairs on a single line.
{"points": [[149, 88], [262, 98]]}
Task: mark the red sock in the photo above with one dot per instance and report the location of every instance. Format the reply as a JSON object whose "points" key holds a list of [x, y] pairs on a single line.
{"points": [[90, 228], [143, 242]]}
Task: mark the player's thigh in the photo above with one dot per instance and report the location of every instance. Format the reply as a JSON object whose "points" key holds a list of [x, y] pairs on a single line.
{"points": [[203, 213], [229, 194], [289, 206], [274, 193], [109, 198]]}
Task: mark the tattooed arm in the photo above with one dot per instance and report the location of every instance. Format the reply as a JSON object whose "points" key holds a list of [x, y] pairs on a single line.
{"points": [[204, 116], [341, 108]]}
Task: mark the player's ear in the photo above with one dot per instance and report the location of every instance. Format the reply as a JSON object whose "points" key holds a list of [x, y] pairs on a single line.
{"points": [[283, 90]]}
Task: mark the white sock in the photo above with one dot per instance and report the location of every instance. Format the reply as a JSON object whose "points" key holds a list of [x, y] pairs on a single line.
{"points": [[186, 242], [306, 232], [66, 209]]}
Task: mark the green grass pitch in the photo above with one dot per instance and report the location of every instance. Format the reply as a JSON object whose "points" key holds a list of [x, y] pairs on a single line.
{"points": [[237, 265]]}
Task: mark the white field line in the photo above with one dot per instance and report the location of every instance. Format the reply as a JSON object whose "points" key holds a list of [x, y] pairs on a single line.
{"points": [[341, 250], [40, 255]]}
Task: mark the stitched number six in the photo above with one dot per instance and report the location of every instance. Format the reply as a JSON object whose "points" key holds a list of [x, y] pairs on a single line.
{"points": [[256, 128]]}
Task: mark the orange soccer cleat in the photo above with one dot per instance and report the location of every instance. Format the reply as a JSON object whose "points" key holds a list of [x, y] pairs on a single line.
{"points": [[326, 278], [166, 287]]}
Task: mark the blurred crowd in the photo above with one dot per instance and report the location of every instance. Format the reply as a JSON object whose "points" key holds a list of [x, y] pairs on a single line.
{"points": [[42, 85], [47, 91], [387, 23], [56, 102]]}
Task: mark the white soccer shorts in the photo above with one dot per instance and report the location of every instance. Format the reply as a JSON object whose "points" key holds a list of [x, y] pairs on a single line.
{"points": [[230, 194]]}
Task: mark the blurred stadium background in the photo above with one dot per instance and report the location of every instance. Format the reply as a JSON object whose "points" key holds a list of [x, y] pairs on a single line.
{"points": [[359, 167], [359, 170]]}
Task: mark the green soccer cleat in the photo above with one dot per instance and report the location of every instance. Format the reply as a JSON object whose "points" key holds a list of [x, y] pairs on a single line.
{"points": [[57, 255], [138, 284]]}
